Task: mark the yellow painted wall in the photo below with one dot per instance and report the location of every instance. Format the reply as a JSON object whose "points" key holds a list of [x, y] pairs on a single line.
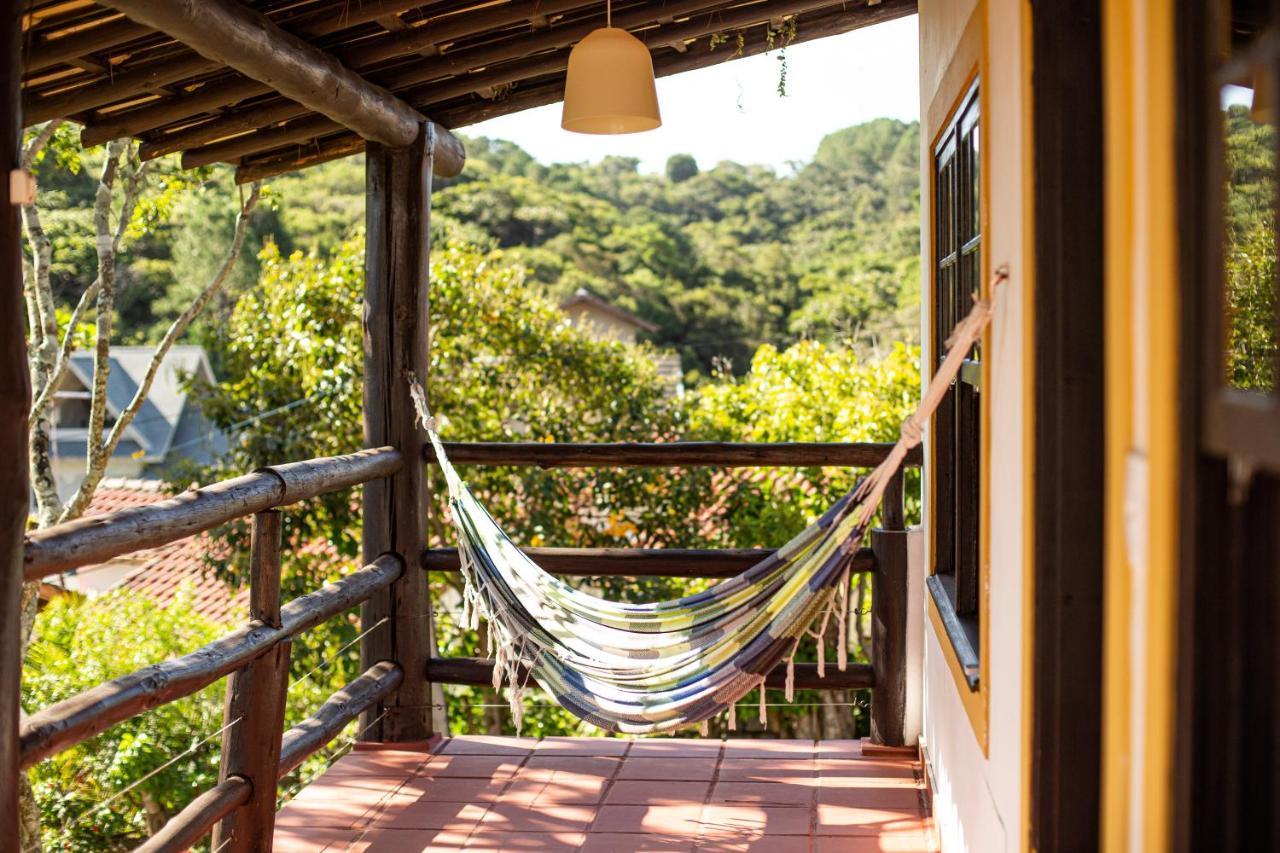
{"points": [[1141, 491]]}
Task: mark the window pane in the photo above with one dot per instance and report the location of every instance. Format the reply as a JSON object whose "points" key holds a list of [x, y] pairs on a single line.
{"points": [[1249, 304]]}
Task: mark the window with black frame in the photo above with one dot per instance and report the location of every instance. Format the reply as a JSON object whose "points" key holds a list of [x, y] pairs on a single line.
{"points": [[1241, 350], [957, 430]]}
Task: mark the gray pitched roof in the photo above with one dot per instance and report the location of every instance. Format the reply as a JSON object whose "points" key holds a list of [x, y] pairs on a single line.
{"points": [[164, 414]]}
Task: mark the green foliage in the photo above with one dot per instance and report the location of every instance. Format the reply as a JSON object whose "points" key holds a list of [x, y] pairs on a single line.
{"points": [[81, 643], [1252, 348], [681, 167], [721, 260]]}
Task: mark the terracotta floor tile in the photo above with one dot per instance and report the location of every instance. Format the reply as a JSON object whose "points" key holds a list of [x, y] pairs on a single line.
{"points": [[495, 840], [719, 820], [838, 748], [547, 766], [315, 839], [582, 746], [382, 762], [567, 789], [763, 793], [766, 769], [895, 799], [339, 802], [766, 748], [864, 767], [512, 817], [851, 820], [471, 766], [655, 793], [688, 768], [409, 841], [888, 842], [756, 844], [427, 814], [453, 789], [619, 842], [487, 745], [672, 747], [679, 821]]}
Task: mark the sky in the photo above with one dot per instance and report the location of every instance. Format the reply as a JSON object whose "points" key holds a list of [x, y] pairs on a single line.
{"points": [[732, 111]]}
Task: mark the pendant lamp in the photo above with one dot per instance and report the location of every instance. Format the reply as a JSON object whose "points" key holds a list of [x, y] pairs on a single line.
{"points": [[609, 87]]}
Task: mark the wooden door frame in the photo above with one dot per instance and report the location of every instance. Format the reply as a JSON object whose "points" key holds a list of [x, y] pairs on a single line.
{"points": [[1068, 405]]}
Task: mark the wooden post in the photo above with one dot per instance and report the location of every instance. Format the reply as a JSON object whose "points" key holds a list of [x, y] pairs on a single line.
{"points": [[255, 706], [889, 610], [894, 511], [396, 323], [15, 406]]}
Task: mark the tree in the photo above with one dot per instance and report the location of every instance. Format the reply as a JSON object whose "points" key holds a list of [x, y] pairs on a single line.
{"points": [[122, 209], [81, 643], [681, 167]]}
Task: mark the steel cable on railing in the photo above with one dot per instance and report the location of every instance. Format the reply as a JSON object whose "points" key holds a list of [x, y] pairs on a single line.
{"points": [[335, 655], [66, 828]]}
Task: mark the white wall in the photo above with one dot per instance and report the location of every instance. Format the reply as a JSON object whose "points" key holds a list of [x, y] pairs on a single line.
{"points": [[978, 798]]}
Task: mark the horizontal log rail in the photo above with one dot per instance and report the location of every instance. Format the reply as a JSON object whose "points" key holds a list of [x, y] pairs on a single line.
{"points": [[638, 562], [101, 537], [299, 743], [308, 737], [478, 672], [60, 726], [194, 822], [671, 454]]}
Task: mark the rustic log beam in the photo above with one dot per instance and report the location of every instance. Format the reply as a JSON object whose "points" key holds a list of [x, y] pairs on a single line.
{"points": [[460, 64], [396, 327], [536, 93], [225, 93], [290, 160], [723, 454], [101, 537], [254, 709], [310, 736], [478, 672], [194, 822], [234, 35], [638, 562], [60, 726], [15, 406]]}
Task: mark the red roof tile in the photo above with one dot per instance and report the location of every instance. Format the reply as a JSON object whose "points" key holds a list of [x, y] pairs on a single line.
{"points": [[164, 571]]}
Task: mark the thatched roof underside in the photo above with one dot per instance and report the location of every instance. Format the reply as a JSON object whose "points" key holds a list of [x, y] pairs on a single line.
{"points": [[456, 61]]}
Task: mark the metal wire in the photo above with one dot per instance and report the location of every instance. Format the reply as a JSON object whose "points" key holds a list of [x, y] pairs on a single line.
{"points": [[67, 827], [335, 655]]}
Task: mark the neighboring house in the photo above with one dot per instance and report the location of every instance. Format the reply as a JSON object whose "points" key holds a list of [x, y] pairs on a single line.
{"points": [[607, 322], [166, 430], [159, 573]]}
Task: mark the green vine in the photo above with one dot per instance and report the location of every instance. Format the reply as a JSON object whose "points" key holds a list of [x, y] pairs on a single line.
{"points": [[782, 37]]}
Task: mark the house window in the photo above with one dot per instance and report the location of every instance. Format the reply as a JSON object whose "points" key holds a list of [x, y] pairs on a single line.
{"points": [[1240, 350], [957, 241]]}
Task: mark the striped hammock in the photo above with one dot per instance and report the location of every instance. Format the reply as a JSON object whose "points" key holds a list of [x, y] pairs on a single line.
{"points": [[641, 668]]}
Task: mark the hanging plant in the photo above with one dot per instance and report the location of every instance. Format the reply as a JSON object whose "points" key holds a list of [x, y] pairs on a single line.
{"points": [[782, 37]]}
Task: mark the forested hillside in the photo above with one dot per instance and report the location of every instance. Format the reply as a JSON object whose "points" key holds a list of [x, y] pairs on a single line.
{"points": [[722, 257]]}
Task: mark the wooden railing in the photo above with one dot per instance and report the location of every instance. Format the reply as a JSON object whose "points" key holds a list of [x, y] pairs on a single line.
{"points": [[885, 559], [256, 751]]}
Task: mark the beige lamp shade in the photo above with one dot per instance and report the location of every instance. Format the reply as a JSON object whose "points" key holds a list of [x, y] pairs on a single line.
{"points": [[609, 87]]}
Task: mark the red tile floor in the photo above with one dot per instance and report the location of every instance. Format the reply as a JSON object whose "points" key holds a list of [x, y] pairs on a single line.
{"points": [[604, 794]]}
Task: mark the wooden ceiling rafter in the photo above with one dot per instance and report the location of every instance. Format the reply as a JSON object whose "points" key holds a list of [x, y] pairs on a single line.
{"points": [[549, 89], [459, 61]]}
